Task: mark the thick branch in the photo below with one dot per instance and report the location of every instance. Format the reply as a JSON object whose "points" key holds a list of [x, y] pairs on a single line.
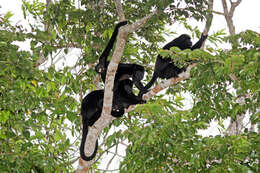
{"points": [[235, 127], [233, 6], [209, 20], [112, 68], [225, 8], [106, 118], [137, 25], [166, 83], [229, 14], [119, 10]]}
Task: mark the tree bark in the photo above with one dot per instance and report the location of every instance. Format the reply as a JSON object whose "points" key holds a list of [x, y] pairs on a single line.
{"points": [[106, 118]]}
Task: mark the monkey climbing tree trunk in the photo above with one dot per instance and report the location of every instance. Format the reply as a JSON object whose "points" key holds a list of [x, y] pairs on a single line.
{"points": [[106, 118]]}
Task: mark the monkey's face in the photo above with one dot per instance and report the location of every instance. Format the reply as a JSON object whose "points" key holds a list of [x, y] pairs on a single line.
{"points": [[184, 42]]}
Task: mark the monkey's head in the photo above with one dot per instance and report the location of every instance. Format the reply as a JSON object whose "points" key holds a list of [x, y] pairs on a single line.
{"points": [[183, 42]]}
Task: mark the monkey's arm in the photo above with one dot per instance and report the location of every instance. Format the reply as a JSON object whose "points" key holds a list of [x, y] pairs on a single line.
{"points": [[200, 42]]}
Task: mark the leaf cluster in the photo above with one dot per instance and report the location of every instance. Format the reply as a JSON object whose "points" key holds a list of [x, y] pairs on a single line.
{"points": [[167, 139], [34, 108]]}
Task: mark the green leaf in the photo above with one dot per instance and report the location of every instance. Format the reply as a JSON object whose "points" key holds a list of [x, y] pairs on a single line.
{"points": [[4, 116]]}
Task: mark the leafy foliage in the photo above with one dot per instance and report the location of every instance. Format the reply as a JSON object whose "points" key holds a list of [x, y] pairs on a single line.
{"points": [[169, 138], [33, 109], [39, 117]]}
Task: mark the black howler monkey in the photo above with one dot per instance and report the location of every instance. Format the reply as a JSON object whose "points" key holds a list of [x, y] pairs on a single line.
{"points": [[124, 71], [165, 67], [92, 104], [91, 108]]}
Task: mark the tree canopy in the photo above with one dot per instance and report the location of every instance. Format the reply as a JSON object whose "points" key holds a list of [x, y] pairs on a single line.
{"points": [[40, 94]]}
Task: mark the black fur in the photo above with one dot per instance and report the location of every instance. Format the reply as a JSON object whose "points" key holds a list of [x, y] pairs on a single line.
{"points": [[124, 71], [92, 104], [165, 67], [91, 108], [124, 97]]}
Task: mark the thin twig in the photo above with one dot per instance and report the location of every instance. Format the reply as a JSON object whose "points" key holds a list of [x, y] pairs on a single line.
{"points": [[114, 155]]}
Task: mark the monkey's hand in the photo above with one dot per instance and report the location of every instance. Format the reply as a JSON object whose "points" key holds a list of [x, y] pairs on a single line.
{"points": [[142, 101], [142, 92], [204, 37]]}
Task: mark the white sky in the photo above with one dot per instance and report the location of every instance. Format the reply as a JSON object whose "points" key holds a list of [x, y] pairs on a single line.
{"points": [[246, 15]]}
